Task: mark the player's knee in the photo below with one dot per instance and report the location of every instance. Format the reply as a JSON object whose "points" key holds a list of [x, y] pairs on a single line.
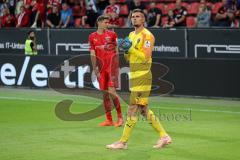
{"points": [[105, 94], [132, 110]]}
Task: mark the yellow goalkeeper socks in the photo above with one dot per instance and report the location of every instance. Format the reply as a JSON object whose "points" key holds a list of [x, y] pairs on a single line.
{"points": [[129, 125], [154, 121]]}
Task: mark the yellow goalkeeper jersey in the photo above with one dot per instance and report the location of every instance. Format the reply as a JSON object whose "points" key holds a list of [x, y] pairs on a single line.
{"points": [[140, 59]]}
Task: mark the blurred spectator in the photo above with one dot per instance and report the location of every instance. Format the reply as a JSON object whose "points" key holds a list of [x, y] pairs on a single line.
{"points": [[203, 17], [89, 20], [19, 3], [112, 11], [66, 17], [237, 14], [38, 16], [90, 5], [3, 5], [170, 20], [180, 14], [204, 4], [10, 5], [135, 4], [22, 19], [154, 16], [7, 20], [231, 5], [224, 17], [53, 19], [101, 5], [52, 3]]}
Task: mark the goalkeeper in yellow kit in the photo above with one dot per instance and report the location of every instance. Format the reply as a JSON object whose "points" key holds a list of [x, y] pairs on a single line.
{"points": [[139, 55]]}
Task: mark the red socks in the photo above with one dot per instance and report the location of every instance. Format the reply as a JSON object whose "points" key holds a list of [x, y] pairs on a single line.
{"points": [[107, 105]]}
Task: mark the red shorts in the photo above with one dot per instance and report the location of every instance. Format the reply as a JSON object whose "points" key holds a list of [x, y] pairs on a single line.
{"points": [[109, 72]]}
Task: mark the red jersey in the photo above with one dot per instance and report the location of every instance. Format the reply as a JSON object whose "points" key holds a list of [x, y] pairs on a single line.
{"points": [[104, 44]]}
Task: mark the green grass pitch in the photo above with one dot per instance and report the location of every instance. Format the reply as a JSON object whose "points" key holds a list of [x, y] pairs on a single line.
{"points": [[206, 129]]}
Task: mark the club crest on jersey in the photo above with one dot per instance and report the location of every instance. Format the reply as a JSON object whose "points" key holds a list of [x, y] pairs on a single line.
{"points": [[139, 39], [147, 44]]}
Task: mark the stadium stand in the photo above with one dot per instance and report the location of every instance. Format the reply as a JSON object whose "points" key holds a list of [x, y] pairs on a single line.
{"points": [[78, 8]]}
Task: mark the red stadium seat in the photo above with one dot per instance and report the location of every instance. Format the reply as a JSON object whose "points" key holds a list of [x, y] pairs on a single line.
{"points": [[160, 6], [167, 7], [121, 21], [164, 20], [78, 22], [215, 7], [76, 11], [184, 4], [191, 22], [124, 10], [171, 6], [193, 8]]}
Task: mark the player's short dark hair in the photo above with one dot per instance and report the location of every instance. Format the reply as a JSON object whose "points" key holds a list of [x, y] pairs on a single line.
{"points": [[102, 18], [140, 11]]}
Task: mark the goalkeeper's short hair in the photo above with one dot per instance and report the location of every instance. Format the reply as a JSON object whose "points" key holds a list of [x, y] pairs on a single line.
{"points": [[140, 11]]}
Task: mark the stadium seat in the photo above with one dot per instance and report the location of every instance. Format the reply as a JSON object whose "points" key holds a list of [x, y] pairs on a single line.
{"points": [[164, 20], [78, 22], [167, 7], [124, 10], [160, 6], [171, 6], [76, 11], [193, 8], [191, 22], [121, 21], [185, 4], [215, 7]]}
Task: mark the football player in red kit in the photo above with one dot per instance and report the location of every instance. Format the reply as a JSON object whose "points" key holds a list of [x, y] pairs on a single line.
{"points": [[104, 57]]}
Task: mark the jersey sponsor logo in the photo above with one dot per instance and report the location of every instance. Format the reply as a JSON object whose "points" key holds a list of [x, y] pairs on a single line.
{"points": [[147, 44], [217, 49]]}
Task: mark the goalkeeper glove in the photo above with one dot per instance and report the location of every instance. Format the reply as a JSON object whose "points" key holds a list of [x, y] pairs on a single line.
{"points": [[124, 44]]}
